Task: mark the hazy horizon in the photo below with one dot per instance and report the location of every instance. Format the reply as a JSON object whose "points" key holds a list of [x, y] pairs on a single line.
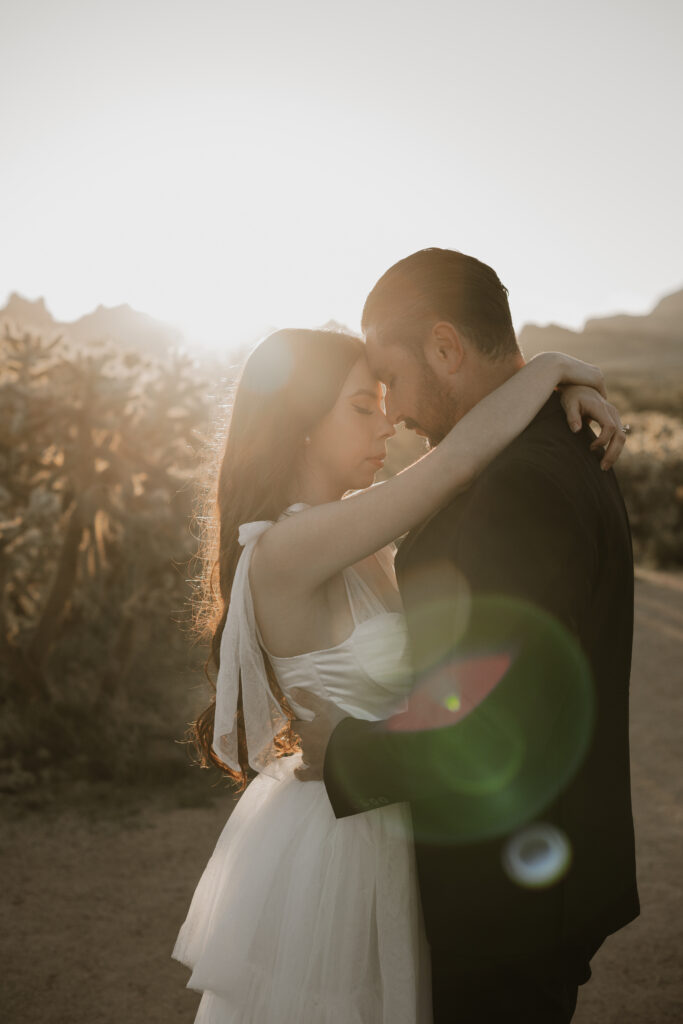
{"points": [[249, 338]]}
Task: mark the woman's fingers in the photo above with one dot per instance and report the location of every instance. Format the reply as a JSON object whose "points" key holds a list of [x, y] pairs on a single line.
{"points": [[585, 403], [606, 434], [609, 421], [572, 408], [611, 437], [613, 449]]}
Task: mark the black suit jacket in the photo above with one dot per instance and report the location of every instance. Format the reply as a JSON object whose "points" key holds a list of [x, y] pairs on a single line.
{"points": [[528, 578]]}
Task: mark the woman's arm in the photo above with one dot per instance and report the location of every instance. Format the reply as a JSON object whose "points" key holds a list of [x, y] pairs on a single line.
{"points": [[301, 552]]}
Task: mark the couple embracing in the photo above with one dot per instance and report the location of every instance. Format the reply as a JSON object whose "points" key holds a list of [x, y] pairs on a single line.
{"points": [[440, 824]]}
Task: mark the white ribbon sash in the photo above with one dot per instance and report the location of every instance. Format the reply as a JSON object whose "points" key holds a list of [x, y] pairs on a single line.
{"points": [[241, 658]]}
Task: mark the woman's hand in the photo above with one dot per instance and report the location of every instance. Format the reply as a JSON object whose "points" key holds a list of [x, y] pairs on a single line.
{"points": [[583, 394], [579, 402]]}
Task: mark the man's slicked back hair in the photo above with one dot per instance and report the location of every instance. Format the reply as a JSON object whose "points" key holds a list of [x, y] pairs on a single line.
{"points": [[441, 284]]}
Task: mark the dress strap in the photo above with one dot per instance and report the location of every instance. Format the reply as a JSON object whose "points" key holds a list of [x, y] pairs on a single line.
{"points": [[363, 600], [385, 557], [350, 594]]}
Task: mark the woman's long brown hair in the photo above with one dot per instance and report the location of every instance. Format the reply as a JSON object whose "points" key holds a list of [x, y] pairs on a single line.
{"points": [[289, 382]]}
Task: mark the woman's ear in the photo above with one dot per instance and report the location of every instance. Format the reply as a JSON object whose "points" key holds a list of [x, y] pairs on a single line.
{"points": [[444, 349]]}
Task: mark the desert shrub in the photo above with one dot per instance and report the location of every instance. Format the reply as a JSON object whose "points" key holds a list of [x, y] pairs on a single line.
{"points": [[650, 473], [99, 455], [639, 393]]}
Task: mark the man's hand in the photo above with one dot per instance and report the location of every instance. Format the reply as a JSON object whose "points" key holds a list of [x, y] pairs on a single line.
{"points": [[314, 735]]}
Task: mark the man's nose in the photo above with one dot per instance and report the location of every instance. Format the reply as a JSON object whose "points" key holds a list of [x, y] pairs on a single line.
{"points": [[392, 410]]}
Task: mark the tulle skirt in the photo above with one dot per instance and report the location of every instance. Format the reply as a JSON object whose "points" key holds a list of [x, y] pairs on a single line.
{"points": [[300, 918]]}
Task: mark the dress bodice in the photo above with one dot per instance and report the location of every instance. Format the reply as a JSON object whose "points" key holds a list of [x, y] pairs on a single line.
{"points": [[367, 674]]}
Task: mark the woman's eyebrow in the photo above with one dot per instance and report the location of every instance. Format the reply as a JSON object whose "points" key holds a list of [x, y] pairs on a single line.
{"points": [[364, 391]]}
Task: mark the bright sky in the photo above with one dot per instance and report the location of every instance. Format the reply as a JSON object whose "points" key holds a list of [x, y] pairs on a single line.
{"points": [[228, 166]]}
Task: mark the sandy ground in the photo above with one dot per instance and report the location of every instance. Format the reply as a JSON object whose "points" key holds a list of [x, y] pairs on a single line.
{"points": [[96, 886]]}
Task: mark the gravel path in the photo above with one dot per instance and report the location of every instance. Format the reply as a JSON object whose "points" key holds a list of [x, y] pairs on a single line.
{"points": [[95, 888]]}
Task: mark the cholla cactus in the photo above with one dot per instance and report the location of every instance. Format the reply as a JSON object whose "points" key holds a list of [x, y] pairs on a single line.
{"points": [[99, 451]]}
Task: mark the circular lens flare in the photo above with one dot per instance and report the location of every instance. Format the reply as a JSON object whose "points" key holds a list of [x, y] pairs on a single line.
{"points": [[537, 857]]}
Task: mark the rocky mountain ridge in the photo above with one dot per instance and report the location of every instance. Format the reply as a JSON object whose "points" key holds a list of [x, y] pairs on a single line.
{"points": [[119, 324], [648, 347]]}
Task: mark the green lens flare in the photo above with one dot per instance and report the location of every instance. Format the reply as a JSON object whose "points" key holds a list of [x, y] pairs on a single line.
{"points": [[498, 728]]}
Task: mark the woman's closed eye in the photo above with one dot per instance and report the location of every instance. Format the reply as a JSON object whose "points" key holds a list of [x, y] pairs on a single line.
{"points": [[364, 411]]}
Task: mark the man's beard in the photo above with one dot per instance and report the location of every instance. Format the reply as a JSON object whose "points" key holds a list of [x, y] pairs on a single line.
{"points": [[437, 409]]}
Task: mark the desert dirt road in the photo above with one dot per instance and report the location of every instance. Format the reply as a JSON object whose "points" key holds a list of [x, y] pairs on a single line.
{"points": [[95, 888]]}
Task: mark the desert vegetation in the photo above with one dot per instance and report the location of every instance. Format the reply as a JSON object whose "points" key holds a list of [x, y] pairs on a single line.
{"points": [[100, 454], [103, 456]]}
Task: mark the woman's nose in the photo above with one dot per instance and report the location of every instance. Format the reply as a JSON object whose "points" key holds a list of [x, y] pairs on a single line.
{"points": [[388, 428]]}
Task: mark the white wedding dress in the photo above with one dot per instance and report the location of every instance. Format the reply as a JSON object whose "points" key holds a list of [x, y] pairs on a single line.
{"points": [[300, 918]]}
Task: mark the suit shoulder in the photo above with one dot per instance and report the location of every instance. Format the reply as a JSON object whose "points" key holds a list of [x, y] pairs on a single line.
{"points": [[546, 451], [515, 468]]}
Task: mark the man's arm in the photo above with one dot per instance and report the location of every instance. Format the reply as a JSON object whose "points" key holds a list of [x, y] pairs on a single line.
{"points": [[528, 560]]}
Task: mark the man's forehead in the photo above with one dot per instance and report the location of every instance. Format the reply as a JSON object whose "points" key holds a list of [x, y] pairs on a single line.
{"points": [[382, 355], [373, 349]]}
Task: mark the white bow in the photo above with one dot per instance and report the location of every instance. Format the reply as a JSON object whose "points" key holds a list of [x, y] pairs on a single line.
{"points": [[241, 657]]}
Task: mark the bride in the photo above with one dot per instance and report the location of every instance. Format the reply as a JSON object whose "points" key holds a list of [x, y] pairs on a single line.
{"points": [[300, 918]]}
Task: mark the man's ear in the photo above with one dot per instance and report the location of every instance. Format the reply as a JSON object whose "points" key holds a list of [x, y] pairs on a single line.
{"points": [[444, 349]]}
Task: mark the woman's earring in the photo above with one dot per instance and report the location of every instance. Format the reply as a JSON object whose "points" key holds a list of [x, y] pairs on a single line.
{"points": [[307, 439]]}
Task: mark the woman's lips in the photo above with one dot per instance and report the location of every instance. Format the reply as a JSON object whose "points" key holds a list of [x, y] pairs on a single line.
{"points": [[377, 460]]}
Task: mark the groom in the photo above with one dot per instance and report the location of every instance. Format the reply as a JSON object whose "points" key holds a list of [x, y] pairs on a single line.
{"points": [[513, 750]]}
